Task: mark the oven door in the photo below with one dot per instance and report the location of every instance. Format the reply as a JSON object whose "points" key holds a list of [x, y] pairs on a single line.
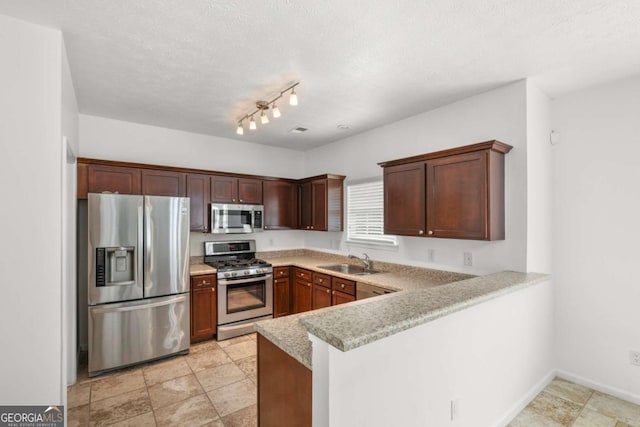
{"points": [[244, 298], [230, 219]]}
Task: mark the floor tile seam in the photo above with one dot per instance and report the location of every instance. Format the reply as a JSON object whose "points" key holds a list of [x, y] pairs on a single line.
{"points": [[120, 394], [579, 413], [170, 379], [213, 406], [226, 385], [177, 401]]}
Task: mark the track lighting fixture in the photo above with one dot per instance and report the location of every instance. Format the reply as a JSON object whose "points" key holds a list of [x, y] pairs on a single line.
{"points": [[263, 106]]}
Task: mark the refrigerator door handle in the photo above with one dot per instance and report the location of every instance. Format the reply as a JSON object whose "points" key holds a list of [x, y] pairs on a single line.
{"points": [[101, 310]]}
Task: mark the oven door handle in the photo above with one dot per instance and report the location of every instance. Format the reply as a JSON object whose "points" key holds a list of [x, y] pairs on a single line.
{"points": [[225, 282]]}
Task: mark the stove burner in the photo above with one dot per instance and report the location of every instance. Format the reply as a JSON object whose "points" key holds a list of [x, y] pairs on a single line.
{"points": [[233, 264]]}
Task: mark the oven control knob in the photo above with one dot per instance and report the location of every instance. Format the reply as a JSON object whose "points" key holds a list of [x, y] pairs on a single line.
{"points": [[246, 273], [227, 274], [234, 274]]}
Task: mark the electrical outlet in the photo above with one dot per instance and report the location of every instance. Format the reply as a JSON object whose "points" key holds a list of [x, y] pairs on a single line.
{"points": [[431, 255], [634, 357], [468, 259], [455, 408]]}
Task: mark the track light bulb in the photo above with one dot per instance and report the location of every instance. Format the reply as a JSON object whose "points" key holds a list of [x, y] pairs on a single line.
{"points": [[293, 98], [276, 111], [264, 119], [252, 124], [240, 130]]}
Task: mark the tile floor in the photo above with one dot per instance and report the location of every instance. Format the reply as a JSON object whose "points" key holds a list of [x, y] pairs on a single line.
{"points": [[563, 403], [215, 385]]}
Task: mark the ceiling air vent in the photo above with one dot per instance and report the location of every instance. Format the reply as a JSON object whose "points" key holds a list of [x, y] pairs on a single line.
{"points": [[298, 130]]}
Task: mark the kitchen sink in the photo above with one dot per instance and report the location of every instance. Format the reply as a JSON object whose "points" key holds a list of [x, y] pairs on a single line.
{"points": [[356, 270]]}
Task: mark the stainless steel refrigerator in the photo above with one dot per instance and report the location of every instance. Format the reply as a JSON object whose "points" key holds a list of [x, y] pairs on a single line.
{"points": [[138, 289]]}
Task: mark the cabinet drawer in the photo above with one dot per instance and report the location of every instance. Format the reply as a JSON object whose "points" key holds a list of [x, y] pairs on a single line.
{"points": [[280, 272], [343, 285], [203, 281], [302, 274], [322, 280], [281, 280]]}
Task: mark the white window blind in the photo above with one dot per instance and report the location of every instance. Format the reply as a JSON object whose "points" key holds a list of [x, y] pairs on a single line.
{"points": [[365, 213]]}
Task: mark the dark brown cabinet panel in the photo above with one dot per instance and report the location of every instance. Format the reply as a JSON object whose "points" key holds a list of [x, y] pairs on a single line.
{"points": [[338, 297], [456, 193], [250, 191], [302, 290], [198, 190], [321, 204], [280, 200], [404, 207], [227, 189], [203, 307], [281, 291], [343, 285], [114, 179], [457, 196], [224, 189], [163, 183], [284, 388], [321, 296]]}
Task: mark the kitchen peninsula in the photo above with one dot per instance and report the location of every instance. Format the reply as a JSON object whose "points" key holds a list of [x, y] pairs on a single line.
{"points": [[344, 356]]}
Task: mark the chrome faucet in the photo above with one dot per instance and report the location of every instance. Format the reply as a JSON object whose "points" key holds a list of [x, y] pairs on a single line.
{"points": [[365, 260]]}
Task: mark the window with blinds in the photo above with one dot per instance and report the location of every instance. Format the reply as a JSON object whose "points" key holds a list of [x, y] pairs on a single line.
{"points": [[365, 213]]}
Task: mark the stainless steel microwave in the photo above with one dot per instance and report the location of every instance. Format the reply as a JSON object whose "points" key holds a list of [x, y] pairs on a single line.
{"points": [[230, 219]]}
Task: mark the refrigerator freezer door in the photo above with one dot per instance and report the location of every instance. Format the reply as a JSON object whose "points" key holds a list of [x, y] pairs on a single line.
{"points": [[126, 333], [166, 245], [115, 250]]}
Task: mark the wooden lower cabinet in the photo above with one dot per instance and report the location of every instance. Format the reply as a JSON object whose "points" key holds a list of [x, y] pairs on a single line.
{"points": [[338, 297], [203, 307], [321, 296], [281, 291], [302, 291], [343, 290], [284, 388]]}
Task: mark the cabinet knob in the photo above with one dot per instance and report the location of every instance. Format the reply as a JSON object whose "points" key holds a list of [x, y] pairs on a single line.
{"points": [[328, 291], [333, 293], [320, 280], [266, 227], [213, 289], [342, 285], [420, 231], [240, 200], [312, 227], [233, 200], [308, 285], [430, 232]]}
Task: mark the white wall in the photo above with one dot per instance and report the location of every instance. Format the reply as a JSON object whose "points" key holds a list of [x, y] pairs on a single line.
{"points": [[69, 150], [596, 234], [499, 114], [492, 358], [31, 327], [103, 138], [539, 185]]}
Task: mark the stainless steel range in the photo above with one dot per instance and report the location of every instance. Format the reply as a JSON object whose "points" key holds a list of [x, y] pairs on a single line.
{"points": [[245, 286]]}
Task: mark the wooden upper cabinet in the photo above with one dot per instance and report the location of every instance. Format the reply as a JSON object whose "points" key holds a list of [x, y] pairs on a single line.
{"points": [[457, 202], [113, 179], [250, 191], [321, 203], [163, 183], [404, 196], [456, 193], [198, 190], [280, 200], [226, 189]]}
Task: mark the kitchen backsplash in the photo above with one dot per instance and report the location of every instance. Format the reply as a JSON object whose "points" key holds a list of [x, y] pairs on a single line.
{"points": [[265, 241]]}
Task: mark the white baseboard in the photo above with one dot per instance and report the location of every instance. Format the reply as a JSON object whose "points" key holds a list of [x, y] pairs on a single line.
{"points": [[630, 397], [526, 399]]}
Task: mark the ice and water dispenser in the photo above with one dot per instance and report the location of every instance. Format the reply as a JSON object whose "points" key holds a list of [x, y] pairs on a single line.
{"points": [[115, 266]]}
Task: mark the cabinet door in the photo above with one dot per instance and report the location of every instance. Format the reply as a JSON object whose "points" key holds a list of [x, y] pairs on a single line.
{"points": [[302, 296], [319, 205], [404, 201], [250, 191], [281, 297], [321, 296], [199, 191], [457, 196], [203, 313], [305, 205], [280, 205], [163, 183], [224, 189], [114, 179], [338, 297]]}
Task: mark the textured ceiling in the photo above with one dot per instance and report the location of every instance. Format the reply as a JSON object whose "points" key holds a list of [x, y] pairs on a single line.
{"points": [[200, 65]]}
